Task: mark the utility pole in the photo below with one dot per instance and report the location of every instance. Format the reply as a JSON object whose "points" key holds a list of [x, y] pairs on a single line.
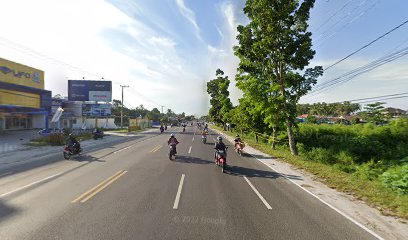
{"points": [[162, 108], [121, 109]]}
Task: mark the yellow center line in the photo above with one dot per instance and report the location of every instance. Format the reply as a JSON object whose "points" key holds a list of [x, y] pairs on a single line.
{"points": [[103, 187], [157, 149], [94, 188]]}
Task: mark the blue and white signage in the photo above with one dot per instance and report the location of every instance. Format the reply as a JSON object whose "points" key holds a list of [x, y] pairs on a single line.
{"points": [[85, 90]]}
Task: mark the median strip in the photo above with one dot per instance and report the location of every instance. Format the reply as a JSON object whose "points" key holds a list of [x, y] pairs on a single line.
{"points": [[93, 191], [155, 149]]}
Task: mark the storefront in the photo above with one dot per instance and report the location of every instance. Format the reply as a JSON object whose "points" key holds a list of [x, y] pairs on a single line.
{"points": [[24, 104]]}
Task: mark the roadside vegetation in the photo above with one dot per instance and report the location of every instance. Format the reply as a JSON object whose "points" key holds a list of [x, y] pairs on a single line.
{"points": [[365, 155], [58, 139], [375, 176]]}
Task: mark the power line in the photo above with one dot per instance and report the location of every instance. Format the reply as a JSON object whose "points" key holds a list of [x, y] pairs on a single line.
{"points": [[368, 44], [379, 100], [322, 38], [371, 98], [358, 71], [19, 47], [333, 15]]}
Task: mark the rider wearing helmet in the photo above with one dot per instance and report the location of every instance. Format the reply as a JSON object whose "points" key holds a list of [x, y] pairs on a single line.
{"points": [[73, 143], [219, 145], [173, 141]]}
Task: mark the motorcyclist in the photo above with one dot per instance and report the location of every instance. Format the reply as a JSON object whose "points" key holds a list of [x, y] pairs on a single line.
{"points": [[237, 140], [173, 142], [219, 145], [73, 143]]}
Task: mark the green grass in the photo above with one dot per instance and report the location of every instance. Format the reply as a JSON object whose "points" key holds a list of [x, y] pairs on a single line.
{"points": [[122, 130], [48, 141], [370, 191]]}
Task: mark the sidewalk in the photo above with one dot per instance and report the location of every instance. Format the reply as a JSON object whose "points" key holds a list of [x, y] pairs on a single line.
{"points": [[15, 140], [346, 205]]}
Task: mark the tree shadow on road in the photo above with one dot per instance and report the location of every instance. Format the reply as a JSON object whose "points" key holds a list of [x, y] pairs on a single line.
{"points": [[6, 211], [257, 156], [189, 159], [250, 172]]}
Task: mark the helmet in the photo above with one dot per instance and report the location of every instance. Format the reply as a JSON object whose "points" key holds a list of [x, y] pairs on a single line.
{"points": [[71, 135], [237, 136], [219, 139], [172, 135]]}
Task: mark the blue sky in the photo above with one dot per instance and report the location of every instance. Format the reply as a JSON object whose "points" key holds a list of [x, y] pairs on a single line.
{"points": [[167, 50]]}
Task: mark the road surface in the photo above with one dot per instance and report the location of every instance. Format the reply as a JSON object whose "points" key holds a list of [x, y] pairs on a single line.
{"points": [[132, 190]]}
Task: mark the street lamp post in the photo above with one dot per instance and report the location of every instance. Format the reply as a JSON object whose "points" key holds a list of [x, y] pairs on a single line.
{"points": [[121, 109]]}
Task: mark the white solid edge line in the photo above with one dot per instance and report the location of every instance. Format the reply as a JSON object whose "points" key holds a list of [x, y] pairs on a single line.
{"points": [[176, 201], [326, 203], [31, 184], [258, 194], [189, 151]]}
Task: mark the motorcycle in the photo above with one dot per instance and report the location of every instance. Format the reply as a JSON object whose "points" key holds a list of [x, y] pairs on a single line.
{"points": [[184, 129], [172, 151], [71, 151], [98, 134], [239, 146], [161, 129], [204, 138], [221, 159]]}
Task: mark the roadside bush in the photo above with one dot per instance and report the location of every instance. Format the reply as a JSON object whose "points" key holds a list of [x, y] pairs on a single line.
{"points": [[56, 139], [396, 178], [321, 155], [363, 142]]}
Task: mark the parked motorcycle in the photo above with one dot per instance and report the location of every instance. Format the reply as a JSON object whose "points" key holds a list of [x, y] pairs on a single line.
{"points": [[221, 159], [71, 151], [172, 151]]}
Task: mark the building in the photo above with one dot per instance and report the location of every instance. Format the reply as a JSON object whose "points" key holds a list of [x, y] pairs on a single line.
{"points": [[24, 103], [81, 115]]}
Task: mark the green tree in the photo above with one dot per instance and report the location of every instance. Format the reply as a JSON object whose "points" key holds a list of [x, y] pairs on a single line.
{"points": [[274, 49], [154, 115], [374, 112], [220, 103]]}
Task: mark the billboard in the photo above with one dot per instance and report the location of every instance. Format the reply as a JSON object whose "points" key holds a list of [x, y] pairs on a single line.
{"points": [[85, 90], [96, 110], [15, 73]]}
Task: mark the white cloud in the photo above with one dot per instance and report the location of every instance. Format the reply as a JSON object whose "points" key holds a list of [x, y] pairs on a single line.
{"points": [[77, 32], [189, 15], [216, 51]]}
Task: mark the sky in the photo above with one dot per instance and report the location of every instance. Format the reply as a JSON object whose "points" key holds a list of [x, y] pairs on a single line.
{"points": [[166, 50]]}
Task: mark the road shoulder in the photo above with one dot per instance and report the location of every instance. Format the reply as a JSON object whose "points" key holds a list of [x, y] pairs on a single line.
{"points": [[385, 226]]}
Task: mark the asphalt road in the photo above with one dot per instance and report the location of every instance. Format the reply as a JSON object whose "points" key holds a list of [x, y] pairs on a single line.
{"points": [[132, 190]]}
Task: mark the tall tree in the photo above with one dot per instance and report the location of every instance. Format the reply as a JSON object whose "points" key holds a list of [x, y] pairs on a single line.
{"points": [[274, 49], [375, 112], [220, 103]]}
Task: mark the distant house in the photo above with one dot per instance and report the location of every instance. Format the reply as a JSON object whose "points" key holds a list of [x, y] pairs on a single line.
{"points": [[394, 112]]}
